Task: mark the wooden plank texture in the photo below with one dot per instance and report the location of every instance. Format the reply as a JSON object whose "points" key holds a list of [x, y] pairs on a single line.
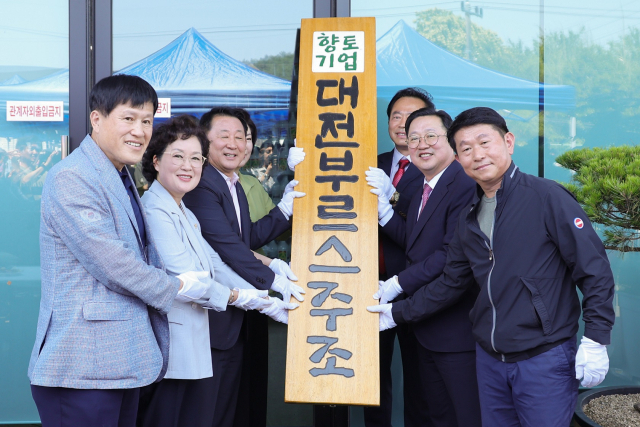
{"points": [[321, 369]]}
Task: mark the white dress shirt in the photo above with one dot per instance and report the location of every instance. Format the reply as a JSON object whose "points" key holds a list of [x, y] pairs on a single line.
{"points": [[397, 156], [231, 183]]}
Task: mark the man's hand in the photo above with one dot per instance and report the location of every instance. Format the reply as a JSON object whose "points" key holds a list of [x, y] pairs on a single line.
{"points": [[279, 310], [388, 290], [386, 319], [592, 362], [296, 156], [287, 289], [286, 204], [192, 288], [380, 181], [282, 268], [252, 299]]}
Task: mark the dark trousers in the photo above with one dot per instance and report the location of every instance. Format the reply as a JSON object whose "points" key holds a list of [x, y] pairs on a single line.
{"points": [[227, 373], [177, 403], [251, 410], [415, 404], [69, 407], [540, 391], [450, 384]]}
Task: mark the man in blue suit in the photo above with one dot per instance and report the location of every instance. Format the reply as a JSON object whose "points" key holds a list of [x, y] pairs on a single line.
{"points": [[102, 329], [407, 179], [446, 348], [223, 212]]}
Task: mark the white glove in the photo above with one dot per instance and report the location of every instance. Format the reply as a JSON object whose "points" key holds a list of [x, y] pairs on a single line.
{"points": [[388, 290], [386, 319], [279, 310], [192, 287], [282, 268], [385, 210], [286, 204], [287, 289], [592, 362], [252, 299], [378, 179], [296, 156]]}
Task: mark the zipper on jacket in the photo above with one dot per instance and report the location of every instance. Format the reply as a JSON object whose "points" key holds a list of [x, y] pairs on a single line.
{"points": [[493, 307]]}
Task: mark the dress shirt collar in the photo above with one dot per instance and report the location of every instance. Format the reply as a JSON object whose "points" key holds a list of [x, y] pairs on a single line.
{"points": [[435, 179], [397, 156], [231, 181]]}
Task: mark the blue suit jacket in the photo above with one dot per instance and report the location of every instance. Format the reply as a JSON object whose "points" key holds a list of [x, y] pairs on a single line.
{"points": [[212, 204], [410, 183], [102, 321], [426, 243]]}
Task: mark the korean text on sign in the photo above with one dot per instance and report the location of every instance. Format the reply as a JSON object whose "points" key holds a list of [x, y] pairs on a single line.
{"points": [[35, 111], [338, 52], [164, 108]]}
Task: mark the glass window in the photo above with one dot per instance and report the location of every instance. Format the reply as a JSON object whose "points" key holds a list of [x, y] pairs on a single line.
{"points": [[594, 47], [238, 54], [244, 59], [589, 97], [34, 88], [479, 56]]}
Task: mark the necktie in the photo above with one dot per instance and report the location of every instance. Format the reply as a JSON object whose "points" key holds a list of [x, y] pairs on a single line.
{"points": [[398, 176], [233, 189], [130, 188], [425, 196]]}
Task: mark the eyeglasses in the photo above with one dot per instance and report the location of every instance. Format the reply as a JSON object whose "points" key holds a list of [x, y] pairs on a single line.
{"points": [[430, 139], [178, 159]]}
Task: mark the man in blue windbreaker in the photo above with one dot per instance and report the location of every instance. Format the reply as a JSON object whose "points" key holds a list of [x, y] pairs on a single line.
{"points": [[527, 244]]}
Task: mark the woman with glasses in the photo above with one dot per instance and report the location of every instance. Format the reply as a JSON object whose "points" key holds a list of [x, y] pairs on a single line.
{"points": [[173, 166]]}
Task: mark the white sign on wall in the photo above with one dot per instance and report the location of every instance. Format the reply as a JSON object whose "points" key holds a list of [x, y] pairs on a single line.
{"points": [[35, 111], [338, 52], [164, 108]]}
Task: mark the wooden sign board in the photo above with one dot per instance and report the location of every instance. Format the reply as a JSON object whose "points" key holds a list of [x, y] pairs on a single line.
{"points": [[332, 347]]}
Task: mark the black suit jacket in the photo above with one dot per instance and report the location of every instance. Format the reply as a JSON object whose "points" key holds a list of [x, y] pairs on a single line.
{"points": [[410, 183], [426, 243], [212, 204]]}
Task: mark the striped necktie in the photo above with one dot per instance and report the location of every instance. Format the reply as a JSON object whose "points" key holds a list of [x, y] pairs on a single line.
{"points": [[426, 192]]}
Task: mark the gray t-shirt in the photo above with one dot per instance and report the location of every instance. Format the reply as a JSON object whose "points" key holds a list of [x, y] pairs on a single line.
{"points": [[485, 216]]}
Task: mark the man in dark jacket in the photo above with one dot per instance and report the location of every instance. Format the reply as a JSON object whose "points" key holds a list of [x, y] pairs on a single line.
{"points": [[527, 244]]}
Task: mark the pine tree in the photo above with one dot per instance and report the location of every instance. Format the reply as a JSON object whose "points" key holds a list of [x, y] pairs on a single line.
{"points": [[606, 183]]}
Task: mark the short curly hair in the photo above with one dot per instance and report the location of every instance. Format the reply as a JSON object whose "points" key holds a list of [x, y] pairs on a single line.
{"points": [[181, 127]]}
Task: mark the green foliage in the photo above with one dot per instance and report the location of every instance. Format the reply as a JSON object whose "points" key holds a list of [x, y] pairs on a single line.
{"points": [[280, 65], [449, 31], [606, 183], [606, 77]]}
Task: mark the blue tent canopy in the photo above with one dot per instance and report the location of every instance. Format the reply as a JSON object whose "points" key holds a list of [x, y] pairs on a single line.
{"points": [[196, 75], [405, 58]]}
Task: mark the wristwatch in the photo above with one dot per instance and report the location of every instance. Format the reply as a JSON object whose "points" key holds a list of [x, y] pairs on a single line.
{"points": [[394, 199]]}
